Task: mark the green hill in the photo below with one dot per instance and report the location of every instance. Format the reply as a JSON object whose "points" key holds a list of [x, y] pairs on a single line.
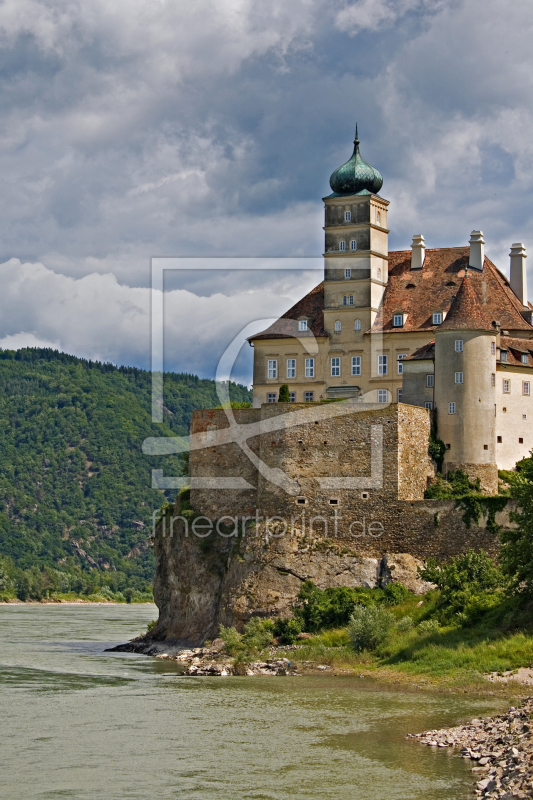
{"points": [[76, 501]]}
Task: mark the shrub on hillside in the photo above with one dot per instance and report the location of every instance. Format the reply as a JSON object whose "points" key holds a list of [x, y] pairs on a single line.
{"points": [[517, 544], [369, 627], [257, 635], [287, 630]]}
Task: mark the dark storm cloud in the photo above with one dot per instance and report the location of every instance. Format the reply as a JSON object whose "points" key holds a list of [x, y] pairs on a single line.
{"points": [[134, 129]]}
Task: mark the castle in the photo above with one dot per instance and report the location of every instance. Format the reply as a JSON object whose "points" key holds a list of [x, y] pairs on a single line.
{"points": [[335, 491], [439, 328]]}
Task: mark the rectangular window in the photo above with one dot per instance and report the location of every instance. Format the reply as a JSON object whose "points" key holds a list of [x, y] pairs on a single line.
{"points": [[350, 300], [458, 377], [335, 366], [507, 387], [493, 348], [356, 365], [397, 320], [437, 318], [302, 325], [342, 246], [458, 345], [520, 440], [292, 397], [524, 358], [401, 356], [383, 396], [291, 368], [493, 379], [347, 273], [503, 355], [347, 216], [345, 300], [309, 367], [399, 393], [430, 380], [428, 404], [524, 416], [309, 397], [271, 397], [272, 368], [499, 439], [382, 365], [525, 387], [451, 408]]}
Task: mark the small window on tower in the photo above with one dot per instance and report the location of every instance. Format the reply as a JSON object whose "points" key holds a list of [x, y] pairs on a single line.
{"points": [[353, 245], [347, 216], [520, 440], [525, 387], [378, 217], [507, 387], [428, 405], [337, 326], [357, 325], [458, 377], [379, 273], [342, 246], [493, 379], [493, 348], [458, 345], [451, 408], [347, 273], [430, 380]]}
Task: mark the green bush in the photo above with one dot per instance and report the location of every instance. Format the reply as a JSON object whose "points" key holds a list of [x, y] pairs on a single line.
{"points": [[405, 624], [517, 545], [287, 630], [396, 593], [428, 626], [369, 627], [331, 608], [257, 636], [455, 484], [284, 396]]}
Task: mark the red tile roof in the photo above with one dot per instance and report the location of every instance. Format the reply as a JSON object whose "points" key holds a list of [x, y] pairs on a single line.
{"points": [[515, 348], [310, 307], [470, 309], [419, 293]]}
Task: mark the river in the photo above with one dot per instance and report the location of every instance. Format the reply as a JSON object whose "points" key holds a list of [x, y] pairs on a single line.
{"points": [[81, 723]]}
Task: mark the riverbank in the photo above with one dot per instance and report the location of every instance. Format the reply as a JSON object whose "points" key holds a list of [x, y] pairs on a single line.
{"points": [[92, 600], [501, 749]]}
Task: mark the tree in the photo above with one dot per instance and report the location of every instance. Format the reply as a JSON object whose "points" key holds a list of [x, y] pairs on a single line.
{"points": [[284, 396], [517, 545]]}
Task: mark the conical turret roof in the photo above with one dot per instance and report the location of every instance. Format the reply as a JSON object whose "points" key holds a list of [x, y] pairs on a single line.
{"points": [[469, 310], [356, 176]]}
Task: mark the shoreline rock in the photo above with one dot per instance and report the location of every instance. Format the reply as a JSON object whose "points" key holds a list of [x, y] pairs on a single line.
{"points": [[501, 748]]}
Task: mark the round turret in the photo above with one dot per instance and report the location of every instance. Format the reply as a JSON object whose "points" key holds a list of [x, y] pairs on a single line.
{"points": [[356, 176]]}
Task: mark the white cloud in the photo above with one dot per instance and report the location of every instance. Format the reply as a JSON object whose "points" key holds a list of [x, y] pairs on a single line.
{"points": [[97, 317], [374, 14]]}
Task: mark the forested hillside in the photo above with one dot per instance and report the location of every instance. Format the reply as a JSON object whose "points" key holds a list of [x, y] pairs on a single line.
{"points": [[76, 501]]}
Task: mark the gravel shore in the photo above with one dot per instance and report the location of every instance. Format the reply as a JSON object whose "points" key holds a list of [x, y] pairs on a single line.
{"points": [[501, 749]]}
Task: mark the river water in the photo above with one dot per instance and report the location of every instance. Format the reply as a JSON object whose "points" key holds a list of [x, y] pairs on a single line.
{"points": [[77, 722]]}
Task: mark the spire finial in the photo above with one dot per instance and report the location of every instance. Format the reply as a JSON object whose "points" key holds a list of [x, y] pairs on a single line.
{"points": [[356, 140]]}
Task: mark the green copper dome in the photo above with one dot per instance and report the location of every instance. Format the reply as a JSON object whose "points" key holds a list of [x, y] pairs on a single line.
{"points": [[356, 176]]}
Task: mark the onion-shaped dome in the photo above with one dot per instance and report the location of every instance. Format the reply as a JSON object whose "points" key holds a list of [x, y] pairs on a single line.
{"points": [[356, 176]]}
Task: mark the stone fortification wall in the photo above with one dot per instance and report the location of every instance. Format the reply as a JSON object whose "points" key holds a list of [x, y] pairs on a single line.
{"points": [[357, 478], [250, 549]]}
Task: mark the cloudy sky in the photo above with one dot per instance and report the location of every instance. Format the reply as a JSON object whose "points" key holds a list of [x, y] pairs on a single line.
{"points": [[210, 128]]}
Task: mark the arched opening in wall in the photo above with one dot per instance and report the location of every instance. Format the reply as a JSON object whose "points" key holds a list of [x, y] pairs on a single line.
{"points": [[337, 326], [357, 325]]}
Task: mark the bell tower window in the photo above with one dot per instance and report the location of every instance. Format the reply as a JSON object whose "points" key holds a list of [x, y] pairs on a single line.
{"points": [[353, 245], [342, 246], [347, 216], [337, 326], [347, 273], [357, 325]]}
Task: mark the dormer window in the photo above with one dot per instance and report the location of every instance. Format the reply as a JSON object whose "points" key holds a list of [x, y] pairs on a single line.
{"points": [[353, 245], [357, 325], [338, 326], [347, 273], [302, 325], [437, 317], [342, 246], [503, 355], [397, 320], [524, 359], [347, 216]]}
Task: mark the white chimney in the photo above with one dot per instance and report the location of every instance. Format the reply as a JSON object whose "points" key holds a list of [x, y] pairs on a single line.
{"points": [[518, 271], [418, 253], [477, 250]]}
